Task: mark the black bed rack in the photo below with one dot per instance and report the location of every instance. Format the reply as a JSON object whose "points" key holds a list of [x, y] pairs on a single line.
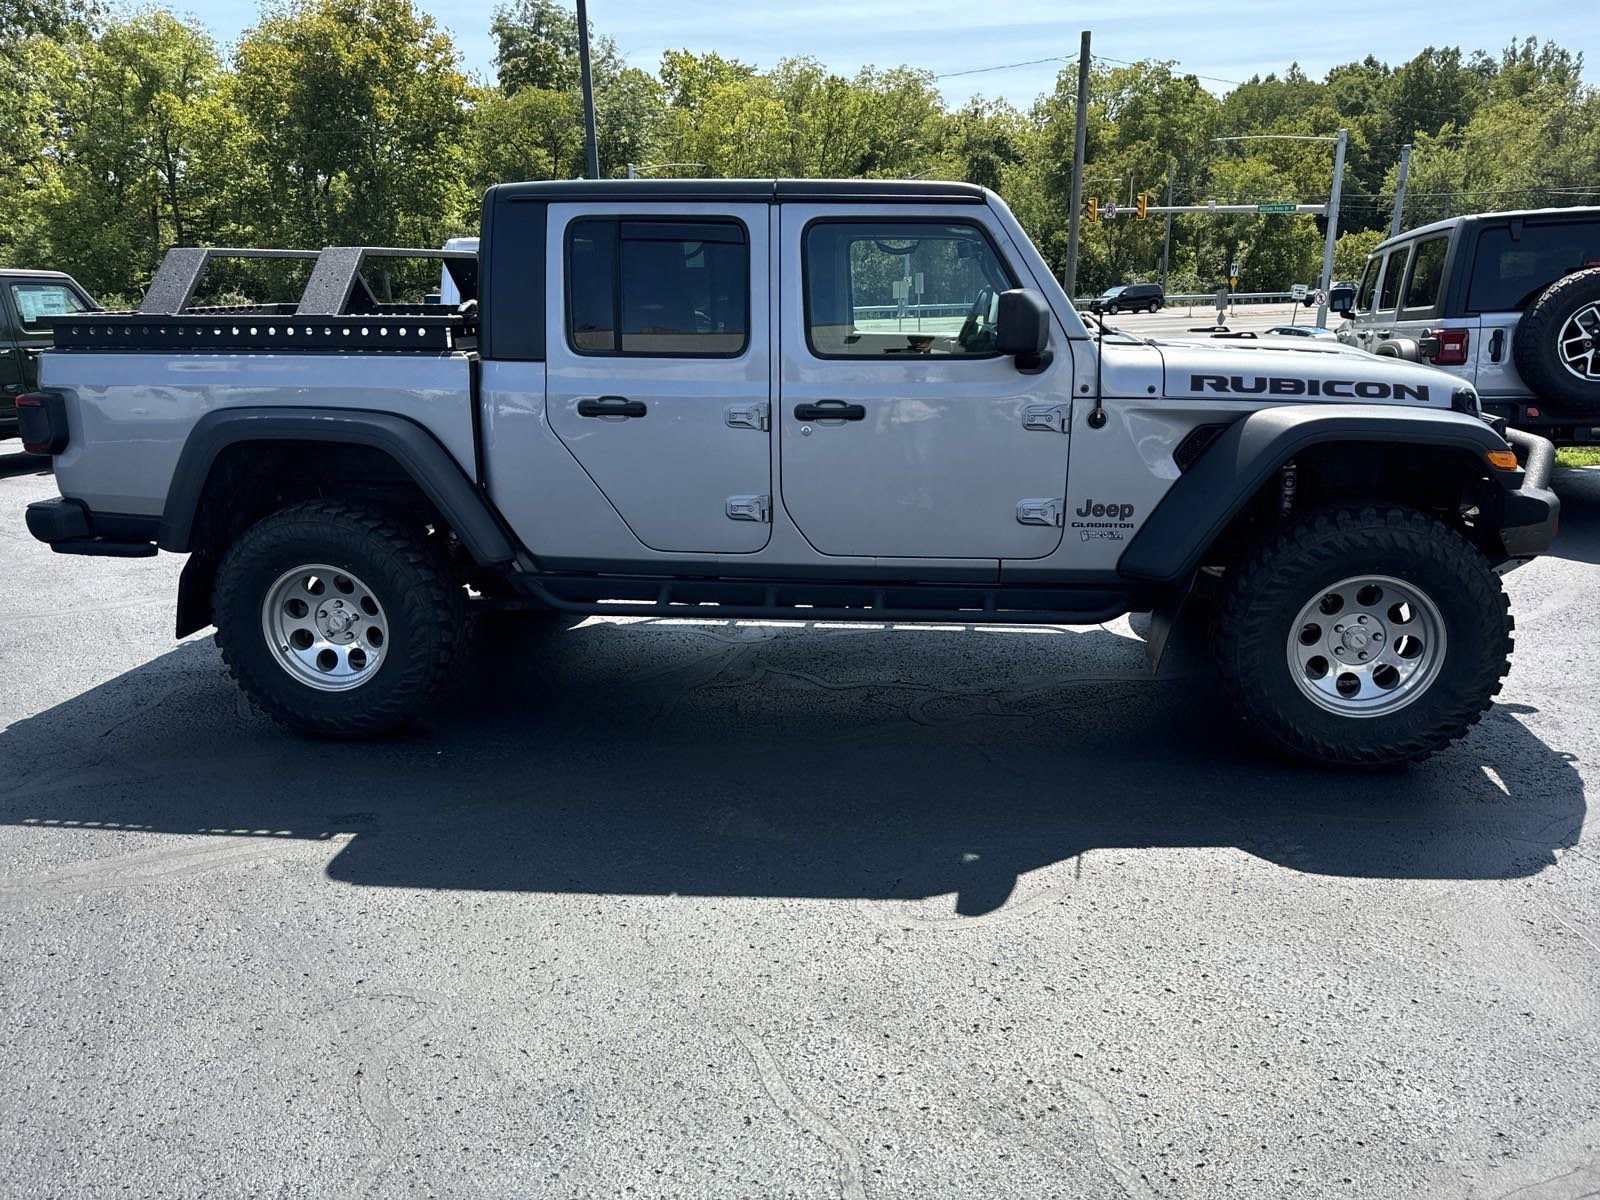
{"points": [[337, 309]]}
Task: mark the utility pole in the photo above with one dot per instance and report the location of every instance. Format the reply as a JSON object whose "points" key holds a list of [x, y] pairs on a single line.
{"points": [[1400, 189], [1069, 274], [1333, 226], [591, 149], [1166, 238]]}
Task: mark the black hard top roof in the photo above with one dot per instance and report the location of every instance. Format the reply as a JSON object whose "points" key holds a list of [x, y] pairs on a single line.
{"points": [[31, 273], [753, 191], [1576, 212]]}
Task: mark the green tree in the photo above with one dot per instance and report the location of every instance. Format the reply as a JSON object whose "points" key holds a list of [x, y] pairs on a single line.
{"points": [[355, 111]]}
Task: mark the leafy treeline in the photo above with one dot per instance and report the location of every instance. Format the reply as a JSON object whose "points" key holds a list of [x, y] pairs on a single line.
{"points": [[351, 121]]}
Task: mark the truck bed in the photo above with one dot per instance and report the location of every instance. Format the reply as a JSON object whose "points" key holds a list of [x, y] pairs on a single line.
{"points": [[130, 413]]}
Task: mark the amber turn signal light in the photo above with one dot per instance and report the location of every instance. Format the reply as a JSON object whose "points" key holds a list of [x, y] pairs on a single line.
{"points": [[1506, 460]]}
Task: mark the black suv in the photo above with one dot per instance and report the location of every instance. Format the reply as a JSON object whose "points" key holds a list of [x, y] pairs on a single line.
{"points": [[1133, 297], [27, 300], [1510, 302]]}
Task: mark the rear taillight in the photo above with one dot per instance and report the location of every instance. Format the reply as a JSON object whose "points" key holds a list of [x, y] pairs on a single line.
{"points": [[1445, 347], [42, 422]]}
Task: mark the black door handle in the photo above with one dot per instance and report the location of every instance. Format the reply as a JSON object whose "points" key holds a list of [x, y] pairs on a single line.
{"points": [[611, 406], [830, 410]]}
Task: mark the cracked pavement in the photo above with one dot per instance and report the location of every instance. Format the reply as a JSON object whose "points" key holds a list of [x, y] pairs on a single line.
{"points": [[745, 909]]}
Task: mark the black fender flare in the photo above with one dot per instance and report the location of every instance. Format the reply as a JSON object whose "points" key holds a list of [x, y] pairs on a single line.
{"points": [[413, 447], [1202, 502]]}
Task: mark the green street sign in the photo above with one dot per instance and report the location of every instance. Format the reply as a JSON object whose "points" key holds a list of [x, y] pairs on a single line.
{"points": [[1275, 208]]}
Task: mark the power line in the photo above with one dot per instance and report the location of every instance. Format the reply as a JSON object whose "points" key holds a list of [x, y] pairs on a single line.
{"points": [[1032, 62]]}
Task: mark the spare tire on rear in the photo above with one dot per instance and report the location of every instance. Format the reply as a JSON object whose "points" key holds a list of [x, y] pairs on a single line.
{"points": [[1557, 343]]}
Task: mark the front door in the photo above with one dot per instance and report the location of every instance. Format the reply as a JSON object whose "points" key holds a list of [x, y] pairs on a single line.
{"points": [[659, 367], [902, 433]]}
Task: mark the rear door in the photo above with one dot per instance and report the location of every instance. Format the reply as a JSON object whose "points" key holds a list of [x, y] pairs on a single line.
{"points": [[1421, 302], [902, 433], [658, 368]]}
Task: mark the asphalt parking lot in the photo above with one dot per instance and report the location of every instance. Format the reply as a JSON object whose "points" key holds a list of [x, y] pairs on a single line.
{"points": [[741, 909]]}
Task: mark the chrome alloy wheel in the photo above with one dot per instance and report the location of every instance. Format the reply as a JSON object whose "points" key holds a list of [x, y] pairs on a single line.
{"points": [[1366, 646], [1579, 343], [325, 627]]}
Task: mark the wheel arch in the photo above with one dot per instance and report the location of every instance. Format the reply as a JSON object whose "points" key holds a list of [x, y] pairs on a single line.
{"points": [[1229, 481], [237, 462], [225, 436]]}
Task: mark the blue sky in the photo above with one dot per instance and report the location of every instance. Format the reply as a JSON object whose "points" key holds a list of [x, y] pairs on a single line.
{"points": [[1230, 42]]}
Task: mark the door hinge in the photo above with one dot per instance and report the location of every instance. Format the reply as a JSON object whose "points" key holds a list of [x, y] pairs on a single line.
{"points": [[750, 508], [1050, 417], [1045, 511], [747, 416]]}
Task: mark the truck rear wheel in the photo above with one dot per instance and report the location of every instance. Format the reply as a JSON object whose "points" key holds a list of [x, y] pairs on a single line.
{"points": [[1556, 345], [335, 620], [1363, 637]]}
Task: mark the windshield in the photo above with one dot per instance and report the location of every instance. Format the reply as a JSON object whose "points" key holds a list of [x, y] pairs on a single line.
{"points": [[1114, 291]]}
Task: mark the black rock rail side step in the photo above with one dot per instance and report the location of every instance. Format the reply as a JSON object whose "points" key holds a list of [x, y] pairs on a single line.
{"points": [[734, 599]]}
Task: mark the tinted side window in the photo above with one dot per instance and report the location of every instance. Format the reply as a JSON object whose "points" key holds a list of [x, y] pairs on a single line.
{"points": [[1427, 270], [1369, 284], [657, 288], [1389, 296], [901, 287], [1508, 270], [35, 301]]}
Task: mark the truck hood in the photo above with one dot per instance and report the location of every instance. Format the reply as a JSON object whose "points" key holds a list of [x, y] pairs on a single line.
{"points": [[1293, 369]]}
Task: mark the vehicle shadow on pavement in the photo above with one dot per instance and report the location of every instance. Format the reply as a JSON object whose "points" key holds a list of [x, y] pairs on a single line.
{"points": [[762, 760], [1578, 539]]}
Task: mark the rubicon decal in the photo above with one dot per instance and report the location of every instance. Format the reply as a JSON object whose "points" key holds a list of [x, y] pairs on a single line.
{"points": [[1279, 385]]}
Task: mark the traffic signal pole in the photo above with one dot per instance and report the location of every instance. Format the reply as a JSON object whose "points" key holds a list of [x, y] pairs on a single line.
{"points": [[1166, 238], [1332, 235]]}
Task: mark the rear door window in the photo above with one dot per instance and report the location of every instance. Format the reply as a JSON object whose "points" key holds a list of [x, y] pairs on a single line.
{"points": [[1517, 260], [1393, 274], [1427, 272], [658, 288]]}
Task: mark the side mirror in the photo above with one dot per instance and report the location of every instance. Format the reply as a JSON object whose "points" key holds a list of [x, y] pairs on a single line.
{"points": [[1022, 329], [1341, 301]]}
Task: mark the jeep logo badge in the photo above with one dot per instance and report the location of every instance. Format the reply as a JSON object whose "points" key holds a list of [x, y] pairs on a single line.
{"points": [[1117, 512]]}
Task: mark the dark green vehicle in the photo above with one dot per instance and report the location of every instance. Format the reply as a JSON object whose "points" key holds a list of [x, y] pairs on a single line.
{"points": [[27, 300]]}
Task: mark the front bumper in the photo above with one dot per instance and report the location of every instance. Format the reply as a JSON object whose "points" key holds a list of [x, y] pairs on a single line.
{"points": [[1530, 513]]}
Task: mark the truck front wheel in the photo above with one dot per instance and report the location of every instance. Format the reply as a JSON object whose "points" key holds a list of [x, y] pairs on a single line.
{"points": [[335, 620], [1363, 637]]}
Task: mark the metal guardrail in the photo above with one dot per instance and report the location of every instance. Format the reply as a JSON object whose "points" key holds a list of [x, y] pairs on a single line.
{"points": [[1202, 299], [1173, 300]]}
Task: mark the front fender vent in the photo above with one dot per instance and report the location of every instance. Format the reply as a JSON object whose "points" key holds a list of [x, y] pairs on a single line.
{"points": [[1194, 444]]}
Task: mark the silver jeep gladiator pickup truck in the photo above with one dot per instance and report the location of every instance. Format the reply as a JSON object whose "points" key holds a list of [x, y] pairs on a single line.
{"points": [[812, 400]]}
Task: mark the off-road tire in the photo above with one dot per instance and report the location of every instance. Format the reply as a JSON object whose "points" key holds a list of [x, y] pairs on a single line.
{"points": [[424, 605], [1535, 350], [1262, 600]]}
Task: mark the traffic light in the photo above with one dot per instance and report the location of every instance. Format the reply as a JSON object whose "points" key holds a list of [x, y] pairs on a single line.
{"points": [[1142, 205], [1091, 209]]}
